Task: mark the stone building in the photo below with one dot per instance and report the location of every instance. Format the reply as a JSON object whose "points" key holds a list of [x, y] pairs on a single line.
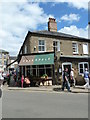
{"points": [[4, 56], [50, 52], [12, 63]]}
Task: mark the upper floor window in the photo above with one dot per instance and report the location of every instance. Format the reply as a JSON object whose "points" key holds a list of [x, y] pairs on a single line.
{"points": [[82, 66], [41, 45], [25, 49], [85, 48], [75, 48], [56, 46]]}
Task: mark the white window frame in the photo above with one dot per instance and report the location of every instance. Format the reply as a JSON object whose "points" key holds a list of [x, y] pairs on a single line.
{"points": [[83, 67], [87, 48], [42, 46], [75, 47], [58, 45]]}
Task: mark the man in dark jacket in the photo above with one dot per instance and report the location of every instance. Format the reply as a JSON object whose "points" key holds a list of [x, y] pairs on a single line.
{"points": [[66, 80]]}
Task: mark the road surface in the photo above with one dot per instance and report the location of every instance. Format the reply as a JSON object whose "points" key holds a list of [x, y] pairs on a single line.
{"points": [[26, 104]]}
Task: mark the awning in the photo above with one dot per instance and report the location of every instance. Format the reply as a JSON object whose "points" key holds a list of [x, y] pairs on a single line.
{"points": [[41, 59]]}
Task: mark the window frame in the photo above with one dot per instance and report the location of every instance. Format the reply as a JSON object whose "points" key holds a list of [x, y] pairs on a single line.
{"points": [[87, 49], [75, 48], [42, 46], [83, 63], [58, 45]]}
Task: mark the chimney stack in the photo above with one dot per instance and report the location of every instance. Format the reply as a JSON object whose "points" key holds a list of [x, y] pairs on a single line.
{"points": [[52, 25]]}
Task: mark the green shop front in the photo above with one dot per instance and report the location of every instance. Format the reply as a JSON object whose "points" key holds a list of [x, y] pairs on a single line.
{"points": [[37, 65]]}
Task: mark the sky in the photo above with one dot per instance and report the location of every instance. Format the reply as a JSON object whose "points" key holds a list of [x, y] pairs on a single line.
{"points": [[17, 18]]}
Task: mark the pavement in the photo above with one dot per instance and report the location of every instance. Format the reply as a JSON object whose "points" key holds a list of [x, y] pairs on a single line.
{"points": [[56, 88]]}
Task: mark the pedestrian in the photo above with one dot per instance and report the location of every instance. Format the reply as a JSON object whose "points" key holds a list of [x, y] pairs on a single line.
{"points": [[4, 76], [66, 80], [72, 77], [86, 78], [1, 79], [27, 82], [22, 81], [15, 78], [8, 79]]}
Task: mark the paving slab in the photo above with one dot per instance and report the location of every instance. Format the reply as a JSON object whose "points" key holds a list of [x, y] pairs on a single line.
{"points": [[77, 89]]}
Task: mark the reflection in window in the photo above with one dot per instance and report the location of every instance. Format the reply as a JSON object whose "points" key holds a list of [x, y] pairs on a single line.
{"points": [[82, 67]]}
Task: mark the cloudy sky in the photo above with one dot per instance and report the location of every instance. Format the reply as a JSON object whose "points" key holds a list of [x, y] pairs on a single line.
{"points": [[17, 18]]}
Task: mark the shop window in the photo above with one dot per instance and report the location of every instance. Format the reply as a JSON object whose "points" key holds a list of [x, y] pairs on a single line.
{"points": [[82, 67], [56, 46], [48, 72], [75, 48], [28, 70], [47, 66], [41, 66], [39, 70], [85, 48], [41, 45]]}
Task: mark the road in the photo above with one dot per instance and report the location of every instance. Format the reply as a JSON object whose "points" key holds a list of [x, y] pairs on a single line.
{"points": [[26, 104]]}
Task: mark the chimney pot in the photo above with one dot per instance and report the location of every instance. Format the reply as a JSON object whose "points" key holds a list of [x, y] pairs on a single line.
{"points": [[52, 25]]}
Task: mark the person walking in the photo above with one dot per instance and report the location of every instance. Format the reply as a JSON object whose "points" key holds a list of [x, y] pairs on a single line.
{"points": [[1, 79], [22, 81], [66, 80], [72, 77], [86, 78], [1, 83]]}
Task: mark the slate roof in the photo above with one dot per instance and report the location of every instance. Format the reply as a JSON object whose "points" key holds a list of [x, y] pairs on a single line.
{"points": [[54, 34], [58, 34]]}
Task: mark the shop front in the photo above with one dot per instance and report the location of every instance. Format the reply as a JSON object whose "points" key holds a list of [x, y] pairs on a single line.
{"points": [[37, 66]]}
